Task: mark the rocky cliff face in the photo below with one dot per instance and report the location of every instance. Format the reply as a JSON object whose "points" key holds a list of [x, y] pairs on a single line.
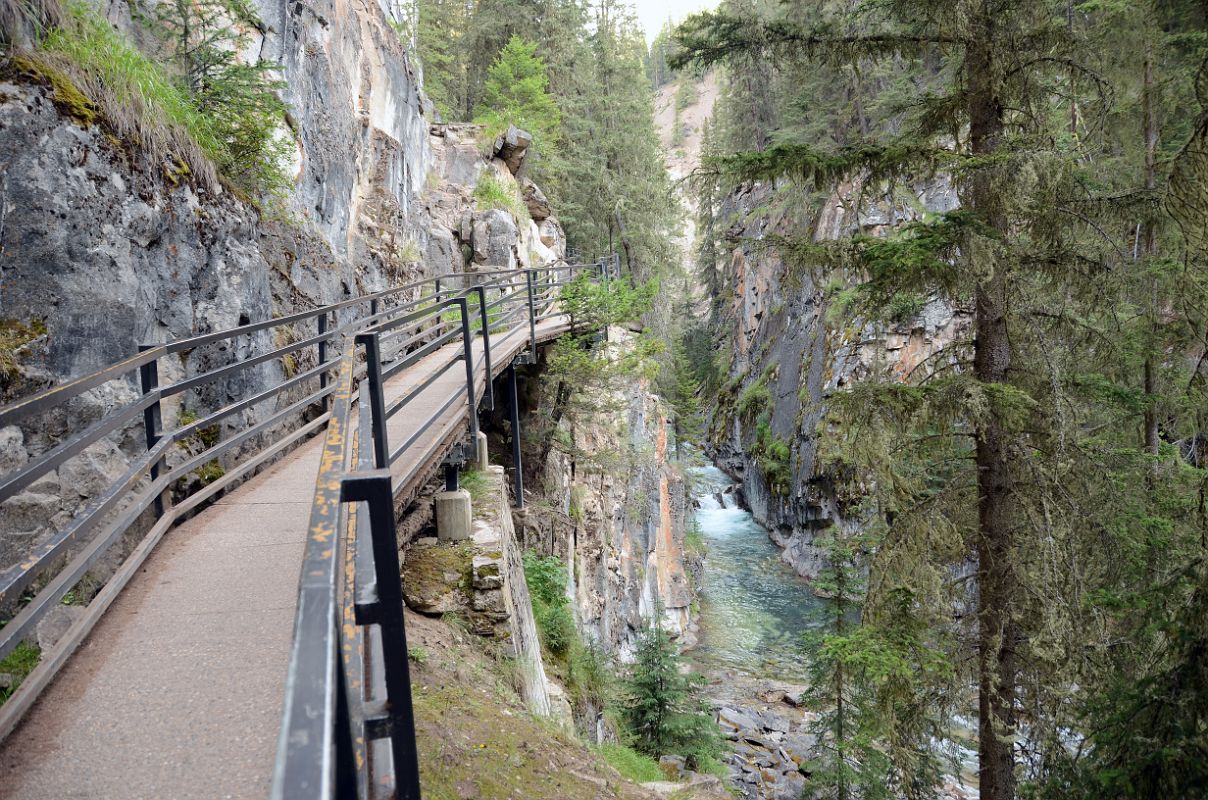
{"points": [[785, 353], [98, 254], [614, 506]]}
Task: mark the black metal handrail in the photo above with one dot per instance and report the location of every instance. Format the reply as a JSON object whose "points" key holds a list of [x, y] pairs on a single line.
{"points": [[348, 729], [239, 436]]}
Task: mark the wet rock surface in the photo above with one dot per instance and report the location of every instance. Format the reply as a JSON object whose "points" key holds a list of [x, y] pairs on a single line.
{"points": [[766, 732]]}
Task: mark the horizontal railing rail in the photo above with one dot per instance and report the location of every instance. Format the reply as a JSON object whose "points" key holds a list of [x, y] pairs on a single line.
{"points": [[283, 374]]}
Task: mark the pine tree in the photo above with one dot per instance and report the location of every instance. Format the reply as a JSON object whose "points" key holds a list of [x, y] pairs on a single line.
{"points": [[990, 455], [440, 31], [517, 93], [661, 704], [239, 101]]}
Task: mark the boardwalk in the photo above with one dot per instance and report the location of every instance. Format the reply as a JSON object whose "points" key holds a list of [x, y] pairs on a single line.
{"points": [[177, 692]]}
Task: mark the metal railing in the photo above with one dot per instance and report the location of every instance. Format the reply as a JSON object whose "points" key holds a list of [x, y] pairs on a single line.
{"points": [[281, 371], [348, 727]]}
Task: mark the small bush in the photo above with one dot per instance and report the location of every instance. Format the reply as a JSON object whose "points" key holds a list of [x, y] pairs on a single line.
{"points": [[773, 455], [905, 306], [546, 579], [635, 766]]}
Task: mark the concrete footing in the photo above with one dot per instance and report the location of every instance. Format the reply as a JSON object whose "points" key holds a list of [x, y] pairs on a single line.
{"points": [[453, 516], [481, 460]]}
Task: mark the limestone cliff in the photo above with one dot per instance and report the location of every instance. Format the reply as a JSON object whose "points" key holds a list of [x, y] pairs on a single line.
{"points": [[784, 353], [613, 504]]}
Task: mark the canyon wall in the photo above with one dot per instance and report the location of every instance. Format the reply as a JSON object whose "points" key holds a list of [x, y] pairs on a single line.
{"points": [[785, 351], [613, 505]]}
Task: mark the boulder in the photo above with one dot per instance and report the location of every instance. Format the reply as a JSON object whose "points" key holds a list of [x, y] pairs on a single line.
{"points": [[536, 201], [673, 766], [736, 720], [512, 146], [494, 238], [12, 449], [55, 623], [552, 236]]}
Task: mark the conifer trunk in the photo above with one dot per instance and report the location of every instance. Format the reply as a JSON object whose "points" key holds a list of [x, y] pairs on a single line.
{"points": [[1148, 243], [991, 358]]}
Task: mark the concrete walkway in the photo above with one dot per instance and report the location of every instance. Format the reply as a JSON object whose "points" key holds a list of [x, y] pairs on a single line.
{"points": [[177, 692]]}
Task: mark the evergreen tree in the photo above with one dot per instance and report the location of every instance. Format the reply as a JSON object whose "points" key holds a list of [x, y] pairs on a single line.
{"points": [[239, 101], [1006, 455], [661, 704], [440, 29], [516, 93]]}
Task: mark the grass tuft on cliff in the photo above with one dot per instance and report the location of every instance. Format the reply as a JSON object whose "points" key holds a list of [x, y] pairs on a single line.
{"points": [[493, 192], [83, 57], [222, 129]]}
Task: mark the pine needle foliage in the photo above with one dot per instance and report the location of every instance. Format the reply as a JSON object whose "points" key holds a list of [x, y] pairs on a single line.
{"points": [[1062, 426]]}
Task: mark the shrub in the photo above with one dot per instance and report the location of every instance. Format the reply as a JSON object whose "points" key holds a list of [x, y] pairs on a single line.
{"points": [[773, 455], [546, 579]]}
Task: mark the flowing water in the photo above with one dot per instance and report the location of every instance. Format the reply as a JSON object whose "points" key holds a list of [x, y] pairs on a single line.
{"points": [[754, 607]]}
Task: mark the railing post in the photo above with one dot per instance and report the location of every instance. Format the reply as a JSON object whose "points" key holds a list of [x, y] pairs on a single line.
{"points": [[323, 359], [517, 475], [374, 489], [467, 341], [486, 344], [377, 398], [152, 419], [532, 312]]}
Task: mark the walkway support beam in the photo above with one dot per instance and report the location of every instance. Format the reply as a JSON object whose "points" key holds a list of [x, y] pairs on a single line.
{"points": [[517, 473]]}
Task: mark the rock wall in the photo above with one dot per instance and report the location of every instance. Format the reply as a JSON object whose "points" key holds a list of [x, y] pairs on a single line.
{"points": [[99, 253], [779, 335], [614, 506]]}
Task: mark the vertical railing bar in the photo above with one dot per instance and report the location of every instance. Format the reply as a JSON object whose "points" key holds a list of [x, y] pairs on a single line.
{"points": [[377, 397], [486, 345], [374, 489], [323, 359], [152, 419], [532, 311], [468, 352]]}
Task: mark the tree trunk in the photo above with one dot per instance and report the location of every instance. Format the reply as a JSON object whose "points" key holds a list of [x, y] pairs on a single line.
{"points": [[1148, 243], [991, 361]]}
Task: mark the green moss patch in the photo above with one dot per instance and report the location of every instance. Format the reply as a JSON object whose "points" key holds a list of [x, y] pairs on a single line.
{"points": [[66, 95], [13, 336]]}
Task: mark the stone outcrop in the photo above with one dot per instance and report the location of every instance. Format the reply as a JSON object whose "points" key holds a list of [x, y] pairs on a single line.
{"points": [[788, 352], [615, 512]]}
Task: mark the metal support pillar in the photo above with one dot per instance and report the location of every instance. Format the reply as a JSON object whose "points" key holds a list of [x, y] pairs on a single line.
{"points": [[517, 474]]}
